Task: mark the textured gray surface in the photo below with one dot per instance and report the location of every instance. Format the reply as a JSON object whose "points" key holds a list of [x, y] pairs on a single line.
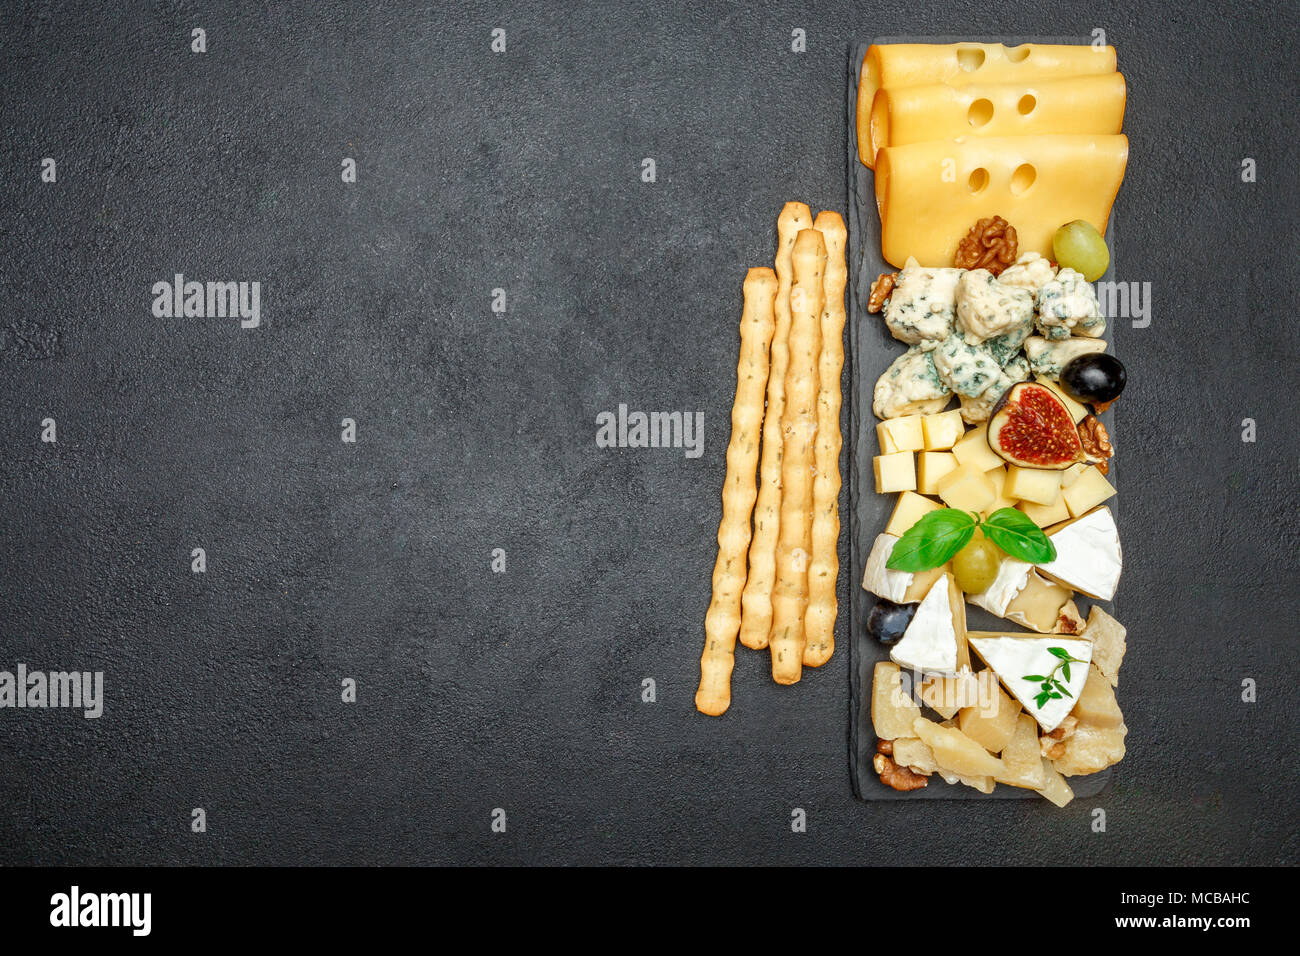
{"points": [[476, 431]]}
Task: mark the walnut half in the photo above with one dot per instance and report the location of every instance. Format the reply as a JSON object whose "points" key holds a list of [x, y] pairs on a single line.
{"points": [[1053, 745], [899, 778], [880, 291], [1096, 442], [991, 244]]}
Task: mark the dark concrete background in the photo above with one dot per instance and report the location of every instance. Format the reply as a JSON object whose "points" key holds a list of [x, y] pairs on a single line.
{"points": [[476, 430]]}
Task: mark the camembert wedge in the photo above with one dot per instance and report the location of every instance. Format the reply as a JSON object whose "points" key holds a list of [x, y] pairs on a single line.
{"points": [[1025, 662], [1088, 555]]}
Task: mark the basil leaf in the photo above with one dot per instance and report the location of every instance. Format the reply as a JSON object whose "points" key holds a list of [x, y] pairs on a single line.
{"points": [[1060, 652], [1015, 533], [931, 541]]}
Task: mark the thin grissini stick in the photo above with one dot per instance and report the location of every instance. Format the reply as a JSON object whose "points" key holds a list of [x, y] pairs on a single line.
{"points": [[756, 602], [799, 425], [722, 621], [824, 566]]}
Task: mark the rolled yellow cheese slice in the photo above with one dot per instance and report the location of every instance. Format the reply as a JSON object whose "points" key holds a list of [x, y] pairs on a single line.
{"points": [[896, 65], [1075, 104], [930, 194]]}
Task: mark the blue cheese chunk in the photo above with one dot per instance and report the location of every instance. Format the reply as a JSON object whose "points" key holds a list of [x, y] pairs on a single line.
{"points": [[1031, 271], [923, 304], [1005, 348], [910, 386], [978, 409], [1068, 306], [966, 368], [1047, 357], [986, 308]]}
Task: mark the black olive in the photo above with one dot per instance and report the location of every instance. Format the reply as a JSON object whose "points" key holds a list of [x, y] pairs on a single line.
{"points": [[1093, 379], [887, 620]]}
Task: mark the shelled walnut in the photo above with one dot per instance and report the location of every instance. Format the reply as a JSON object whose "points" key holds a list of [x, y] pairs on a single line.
{"points": [[991, 244]]}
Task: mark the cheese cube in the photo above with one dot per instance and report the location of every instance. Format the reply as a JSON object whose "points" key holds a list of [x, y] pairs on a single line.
{"points": [[932, 466], [942, 431], [910, 508], [991, 723], [966, 488], [900, 434], [1033, 484], [1071, 474], [896, 472], [1000, 498], [1088, 490], [1077, 412], [974, 449], [1044, 515]]}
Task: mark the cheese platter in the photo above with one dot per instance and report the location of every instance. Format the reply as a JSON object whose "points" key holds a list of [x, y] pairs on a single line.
{"points": [[985, 550]]}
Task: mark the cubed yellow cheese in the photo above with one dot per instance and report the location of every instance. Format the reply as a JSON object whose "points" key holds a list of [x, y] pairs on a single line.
{"points": [[991, 722], [900, 434], [942, 431], [1087, 491], [910, 508], [1043, 515], [1000, 498], [1071, 474], [1077, 412], [1033, 484], [896, 472], [932, 466], [974, 449], [966, 488]]}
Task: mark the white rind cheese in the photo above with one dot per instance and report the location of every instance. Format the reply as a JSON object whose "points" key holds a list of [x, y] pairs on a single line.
{"points": [[1015, 657], [880, 580], [1088, 555], [929, 644], [1013, 575]]}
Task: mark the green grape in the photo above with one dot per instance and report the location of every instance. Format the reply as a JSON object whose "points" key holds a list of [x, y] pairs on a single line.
{"points": [[1079, 246], [976, 565]]}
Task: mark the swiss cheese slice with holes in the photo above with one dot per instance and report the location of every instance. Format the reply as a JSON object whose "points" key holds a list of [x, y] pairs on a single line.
{"points": [[1076, 104], [930, 194], [896, 65]]}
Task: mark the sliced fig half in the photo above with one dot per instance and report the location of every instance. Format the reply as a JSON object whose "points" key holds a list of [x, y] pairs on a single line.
{"points": [[1031, 427]]}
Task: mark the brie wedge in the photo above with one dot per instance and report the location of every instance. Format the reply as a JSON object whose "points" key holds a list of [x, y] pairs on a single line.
{"points": [[1015, 657], [1088, 556], [935, 641], [1012, 576], [878, 579]]}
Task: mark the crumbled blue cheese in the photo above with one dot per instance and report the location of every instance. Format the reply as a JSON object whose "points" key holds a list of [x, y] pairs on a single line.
{"points": [[1031, 271], [923, 303], [910, 386], [1047, 358], [986, 308], [1006, 347], [974, 410], [1068, 305], [966, 368]]}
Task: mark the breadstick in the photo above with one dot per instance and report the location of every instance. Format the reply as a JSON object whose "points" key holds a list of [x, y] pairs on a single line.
{"points": [[799, 425], [722, 621], [824, 566], [756, 602]]}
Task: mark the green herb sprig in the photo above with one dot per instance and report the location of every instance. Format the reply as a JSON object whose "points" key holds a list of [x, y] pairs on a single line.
{"points": [[942, 533], [1049, 687]]}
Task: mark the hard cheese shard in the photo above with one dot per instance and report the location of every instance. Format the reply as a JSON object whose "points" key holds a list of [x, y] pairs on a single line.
{"points": [[1014, 657], [935, 641], [1088, 556]]}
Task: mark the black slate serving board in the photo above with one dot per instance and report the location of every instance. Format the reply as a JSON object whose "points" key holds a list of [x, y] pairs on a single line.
{"points": [[873, 348]]}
